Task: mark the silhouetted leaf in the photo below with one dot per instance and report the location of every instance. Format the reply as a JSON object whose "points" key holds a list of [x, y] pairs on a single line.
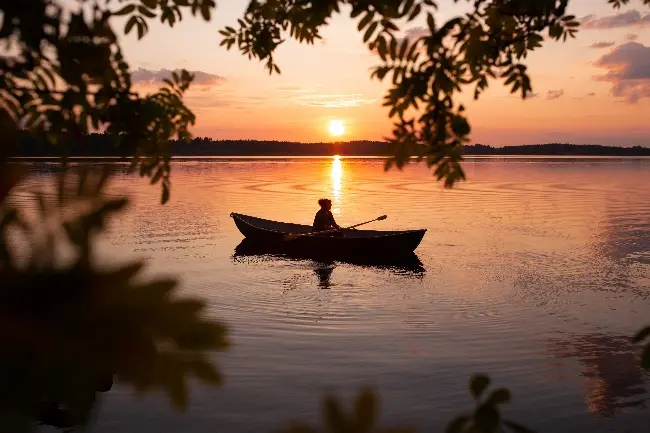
{"points": [[478, 384], [487, 418], [125, 11], [205, 371], [457, 425], [165, 194], [500, 396], [130, 23], [335, 419], [366, 410], [641, 335], [517, 428], [366, 20], [370, 31], [416, 12], [645, 357], [146, 12]]}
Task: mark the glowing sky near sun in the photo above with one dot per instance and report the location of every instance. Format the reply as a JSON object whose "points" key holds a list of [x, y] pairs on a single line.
{"points": [[595, 89]]}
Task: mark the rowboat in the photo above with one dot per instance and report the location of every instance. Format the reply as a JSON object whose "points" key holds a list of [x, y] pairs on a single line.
{"points": [[350, 243]]}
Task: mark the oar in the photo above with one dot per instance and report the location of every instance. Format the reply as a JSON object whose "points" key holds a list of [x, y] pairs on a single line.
{"points": [[296, 236]]}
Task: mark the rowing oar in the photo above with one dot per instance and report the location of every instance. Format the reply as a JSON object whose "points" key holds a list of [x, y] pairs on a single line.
{"points": [[296, 236]]}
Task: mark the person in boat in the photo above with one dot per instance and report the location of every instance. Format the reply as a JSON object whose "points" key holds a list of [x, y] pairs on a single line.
{"points": [[324, 220]]}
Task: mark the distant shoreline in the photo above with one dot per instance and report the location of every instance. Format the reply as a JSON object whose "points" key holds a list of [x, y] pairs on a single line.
{"points": [[126, 160], [102, 146]]}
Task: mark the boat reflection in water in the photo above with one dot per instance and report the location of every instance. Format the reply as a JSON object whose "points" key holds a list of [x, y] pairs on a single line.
{"points": [[405, 264]]}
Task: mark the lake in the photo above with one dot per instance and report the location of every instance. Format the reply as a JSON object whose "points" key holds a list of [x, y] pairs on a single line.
{"points": [[536, 271]]}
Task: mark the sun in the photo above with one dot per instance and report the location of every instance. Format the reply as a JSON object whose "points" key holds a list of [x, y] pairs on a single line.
{"points": [[336, 128]]}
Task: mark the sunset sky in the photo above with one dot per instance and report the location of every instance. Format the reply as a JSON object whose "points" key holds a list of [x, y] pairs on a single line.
{"points": [[594, 89]]}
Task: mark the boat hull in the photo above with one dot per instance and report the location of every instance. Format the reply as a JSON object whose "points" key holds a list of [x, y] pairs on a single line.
{"points": [[351, 243]]}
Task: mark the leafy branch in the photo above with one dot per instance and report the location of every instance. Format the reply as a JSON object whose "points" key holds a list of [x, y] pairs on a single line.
{"points": [[68, 328], [427, 73]]}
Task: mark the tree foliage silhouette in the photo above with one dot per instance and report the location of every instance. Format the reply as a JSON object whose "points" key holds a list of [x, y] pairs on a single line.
{"points": [[70, 326]]}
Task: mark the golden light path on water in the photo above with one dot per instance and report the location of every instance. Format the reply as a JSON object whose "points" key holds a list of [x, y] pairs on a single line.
{"points": [[337, 175]]}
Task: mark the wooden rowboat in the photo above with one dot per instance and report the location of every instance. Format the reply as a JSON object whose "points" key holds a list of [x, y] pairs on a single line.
{"points": [[351, 243]]}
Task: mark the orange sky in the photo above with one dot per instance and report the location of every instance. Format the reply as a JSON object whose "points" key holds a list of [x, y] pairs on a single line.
{"points": [[595, 89]]}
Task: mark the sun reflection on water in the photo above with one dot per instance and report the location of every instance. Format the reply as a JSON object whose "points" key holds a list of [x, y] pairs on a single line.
{"points": [[337, 175]]}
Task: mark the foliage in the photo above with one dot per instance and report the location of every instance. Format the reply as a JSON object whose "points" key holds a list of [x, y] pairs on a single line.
{"points": [[362, 419], [486, 418], [46, 88], [66, 75], [69, 326], [429, 71]]}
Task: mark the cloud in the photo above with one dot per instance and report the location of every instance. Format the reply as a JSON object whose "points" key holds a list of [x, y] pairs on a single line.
{"points": [[631, 18], [416, 32], [343, 100], [314, 96], [584, 96], [628, 69], [631, 37], [152, 77], [603, 44], [291, 88], [554, 94], [411, 34]]}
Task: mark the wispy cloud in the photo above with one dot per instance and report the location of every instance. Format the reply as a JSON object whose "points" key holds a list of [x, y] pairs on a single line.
{"points": [[628, 69], [314, 96], [411, 35], [631, 18], [631, 37], [584, 96], [603, 44], [554, 94], [342, 100], [416, 32], [292, 89], [154, 77]]}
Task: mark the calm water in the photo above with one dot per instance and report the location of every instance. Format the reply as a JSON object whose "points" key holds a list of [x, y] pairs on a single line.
{"points": [[536, 270]]}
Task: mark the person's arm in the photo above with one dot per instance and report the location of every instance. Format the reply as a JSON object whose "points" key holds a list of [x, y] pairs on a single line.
{"points": [[333, 221]]}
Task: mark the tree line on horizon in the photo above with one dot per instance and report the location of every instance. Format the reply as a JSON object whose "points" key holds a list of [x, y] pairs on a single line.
{"points": [[103, 144]]}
